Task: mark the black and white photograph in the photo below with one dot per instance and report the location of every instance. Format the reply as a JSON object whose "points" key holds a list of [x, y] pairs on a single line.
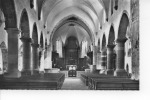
{"points": [[74, 49], [69, 45]]}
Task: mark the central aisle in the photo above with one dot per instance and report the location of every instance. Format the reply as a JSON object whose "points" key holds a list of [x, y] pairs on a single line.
{"points": [[73, 84]]}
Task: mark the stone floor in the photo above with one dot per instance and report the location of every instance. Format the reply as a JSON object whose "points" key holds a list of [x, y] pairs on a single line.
{"points": [[73, 83]]}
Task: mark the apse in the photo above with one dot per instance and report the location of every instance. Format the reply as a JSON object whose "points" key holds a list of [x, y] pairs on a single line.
{"points": [[70, 45]]}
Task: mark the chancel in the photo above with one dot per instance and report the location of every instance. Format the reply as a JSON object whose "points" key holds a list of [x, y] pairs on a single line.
{"points": [[69, 44]]}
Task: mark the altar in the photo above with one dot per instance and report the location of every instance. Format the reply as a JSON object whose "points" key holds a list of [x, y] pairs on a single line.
{"points": [[71, 70]]}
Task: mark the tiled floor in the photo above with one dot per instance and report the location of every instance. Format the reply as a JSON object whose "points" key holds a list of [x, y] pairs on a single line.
{"points": [[73, 84]]}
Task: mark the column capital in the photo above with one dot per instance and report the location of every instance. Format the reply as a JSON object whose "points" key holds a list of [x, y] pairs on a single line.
{"points": [[35, 45], [24, 39], [123, 40], [15, 30], [110, 46]]}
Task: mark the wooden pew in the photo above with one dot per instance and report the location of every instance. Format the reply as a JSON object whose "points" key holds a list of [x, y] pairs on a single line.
{"points": [[56, 76], [85, 77], [107, 82], [107, 77], [52, 81], [30, 84], [115, 84]]}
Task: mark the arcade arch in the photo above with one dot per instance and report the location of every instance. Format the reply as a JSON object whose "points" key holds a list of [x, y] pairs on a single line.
{"points": [[25, 47], [110, 52], [35, 50], [120, 45]]}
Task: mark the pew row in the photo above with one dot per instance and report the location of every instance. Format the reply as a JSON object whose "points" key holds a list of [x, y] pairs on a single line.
{"points": [[113, 84], [107, 82], [48, 81], [85, 77]]}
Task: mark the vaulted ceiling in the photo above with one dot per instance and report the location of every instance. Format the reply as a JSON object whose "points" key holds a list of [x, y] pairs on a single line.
{"points": [[91, 12], [68, 30]]}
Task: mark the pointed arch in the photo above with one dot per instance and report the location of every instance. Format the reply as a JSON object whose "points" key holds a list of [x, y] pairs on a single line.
{"points": [[111, 37], [8, 8], [25, 47], [35, 34], [24, 24], [73, 19], [98, 45], [124, 22], [104, 42]]}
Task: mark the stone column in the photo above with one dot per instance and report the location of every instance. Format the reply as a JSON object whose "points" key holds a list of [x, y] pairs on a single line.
{"points": [[46, 67], [110, 60], [26, 56], [42, 61], [49, 57], [35, 59], [103, 62], [93, 67], [98, 60], [94, 55], [120, 71], [12, 71]]}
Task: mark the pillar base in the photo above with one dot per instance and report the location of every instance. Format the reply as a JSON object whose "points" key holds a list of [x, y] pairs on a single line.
{"points": [[109, 72], [35, 72], [14, 74], [26, 73], [102, 71], [121, 73]]}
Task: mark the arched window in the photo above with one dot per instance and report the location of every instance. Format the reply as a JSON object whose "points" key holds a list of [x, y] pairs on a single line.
{"points": [[116, 4], [112, 7], [98, 45], [31, 3]]}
